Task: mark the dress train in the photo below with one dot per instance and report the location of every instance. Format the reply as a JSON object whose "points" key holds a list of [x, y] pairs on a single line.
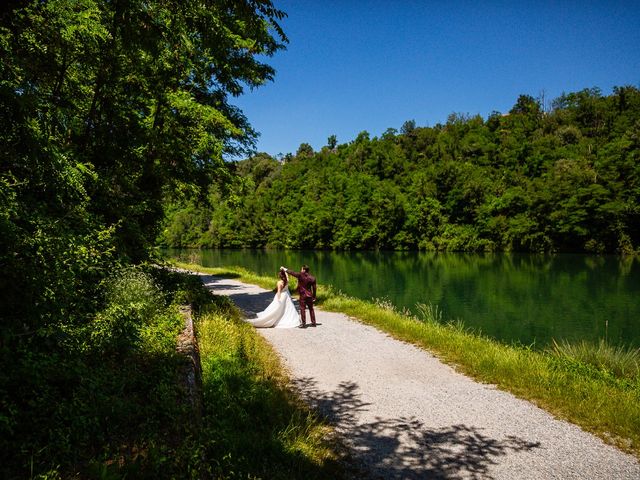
{"points": [[279, 314]]}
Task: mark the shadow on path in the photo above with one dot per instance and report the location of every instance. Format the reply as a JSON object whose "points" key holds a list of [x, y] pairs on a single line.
{"points": [[406, 447], [249, 303], [390, 448]]}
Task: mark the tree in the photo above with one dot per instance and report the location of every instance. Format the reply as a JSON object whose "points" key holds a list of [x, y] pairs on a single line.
{"points": [[526, 181], [105, 106], [332, 141], [526, 105], [304, 151], [408, 127]]}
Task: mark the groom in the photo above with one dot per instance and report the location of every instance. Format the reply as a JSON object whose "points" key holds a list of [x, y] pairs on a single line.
{"points": [[307, 292]]}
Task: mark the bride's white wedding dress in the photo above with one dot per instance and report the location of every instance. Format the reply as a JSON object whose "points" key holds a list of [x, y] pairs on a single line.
{"points": [[279, 314]]}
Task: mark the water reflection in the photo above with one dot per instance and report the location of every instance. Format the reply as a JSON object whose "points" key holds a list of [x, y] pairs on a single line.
{"points": [[512, 297]]}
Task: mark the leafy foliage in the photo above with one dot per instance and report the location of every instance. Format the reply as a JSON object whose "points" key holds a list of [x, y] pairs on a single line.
{"points": [[100, 393], [105, 106], [565, 180]]}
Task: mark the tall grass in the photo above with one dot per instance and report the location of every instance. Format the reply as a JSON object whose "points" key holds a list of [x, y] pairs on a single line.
{"points": [[620, 361], [430, 312], [561, 383], [253, 426]]}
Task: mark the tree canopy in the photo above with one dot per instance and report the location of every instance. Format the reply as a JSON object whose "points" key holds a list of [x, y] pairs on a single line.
{"points": [[105, 107], [563, 180]]}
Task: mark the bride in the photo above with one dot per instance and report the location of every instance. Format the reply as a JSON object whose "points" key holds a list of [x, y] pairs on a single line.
{"points": [[281, 313]]}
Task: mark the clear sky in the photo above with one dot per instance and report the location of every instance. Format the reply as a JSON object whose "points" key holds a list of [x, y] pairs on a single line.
{"points": [[355, 65]]}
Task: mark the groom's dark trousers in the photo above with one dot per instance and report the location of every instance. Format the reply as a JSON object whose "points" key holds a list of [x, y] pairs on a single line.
{"points": [[308, 303], [306, 290]]}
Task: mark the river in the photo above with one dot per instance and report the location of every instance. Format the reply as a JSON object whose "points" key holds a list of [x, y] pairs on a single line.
{"points": [[515, 298]]}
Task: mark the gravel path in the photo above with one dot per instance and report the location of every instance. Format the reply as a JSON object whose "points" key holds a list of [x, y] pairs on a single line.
{"points": [[406, 415]]}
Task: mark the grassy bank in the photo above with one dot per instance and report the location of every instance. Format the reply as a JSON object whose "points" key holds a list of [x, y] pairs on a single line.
{"points": [[590, 395], [253, 427], [112, 404]]}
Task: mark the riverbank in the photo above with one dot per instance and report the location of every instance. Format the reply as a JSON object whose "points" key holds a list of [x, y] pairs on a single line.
{"points": [[405, 414], [511, 297], [595, 400], [115, 403], [253, 425]]}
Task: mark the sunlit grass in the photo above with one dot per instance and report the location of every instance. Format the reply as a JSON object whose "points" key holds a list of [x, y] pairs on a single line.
{"points": [[620, 361], [561, 382], [253, 425], [604, 404]]}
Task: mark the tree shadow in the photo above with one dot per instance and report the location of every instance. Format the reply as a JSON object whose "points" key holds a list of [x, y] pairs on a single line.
{"points": [[252, 425], [86, 412], [249, 303], [210, 281], [405, 447]]}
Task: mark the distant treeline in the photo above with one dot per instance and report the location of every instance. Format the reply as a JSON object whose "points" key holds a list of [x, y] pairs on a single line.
{"points": [[563, 179]]}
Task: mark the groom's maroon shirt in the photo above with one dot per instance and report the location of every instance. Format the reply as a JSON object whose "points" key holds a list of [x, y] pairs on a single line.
{"points": [[306, 284]]}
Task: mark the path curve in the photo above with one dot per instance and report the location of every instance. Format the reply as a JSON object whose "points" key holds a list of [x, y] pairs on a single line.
{"points": [[405, 414]]}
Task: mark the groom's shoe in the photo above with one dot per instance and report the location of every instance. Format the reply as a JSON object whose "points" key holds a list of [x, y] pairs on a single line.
{"points": [[313, 324], [302, 325]]}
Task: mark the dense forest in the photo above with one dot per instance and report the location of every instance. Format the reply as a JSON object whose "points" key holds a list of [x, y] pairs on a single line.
{"points": [[560, 179], [105, 107], [115, 118]]}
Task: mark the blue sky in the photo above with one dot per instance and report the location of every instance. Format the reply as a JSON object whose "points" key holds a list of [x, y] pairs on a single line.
{"points": [[355, 65]]}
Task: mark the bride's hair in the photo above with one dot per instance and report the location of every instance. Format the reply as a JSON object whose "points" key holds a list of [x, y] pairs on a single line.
{"points": [[283, 276]]}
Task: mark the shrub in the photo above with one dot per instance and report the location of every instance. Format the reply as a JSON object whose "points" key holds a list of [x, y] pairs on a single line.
{"points": [[621, 361], [133, 302]]}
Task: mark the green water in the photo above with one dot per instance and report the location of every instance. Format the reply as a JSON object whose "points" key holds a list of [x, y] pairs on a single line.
{"points": [[530, 299]]}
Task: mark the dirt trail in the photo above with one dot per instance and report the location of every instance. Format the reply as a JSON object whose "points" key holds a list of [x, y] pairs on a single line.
{"points": [[406, 415]]}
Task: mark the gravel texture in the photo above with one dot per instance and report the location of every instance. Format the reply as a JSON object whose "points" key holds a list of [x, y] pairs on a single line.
{"points": [[404, 414]]}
